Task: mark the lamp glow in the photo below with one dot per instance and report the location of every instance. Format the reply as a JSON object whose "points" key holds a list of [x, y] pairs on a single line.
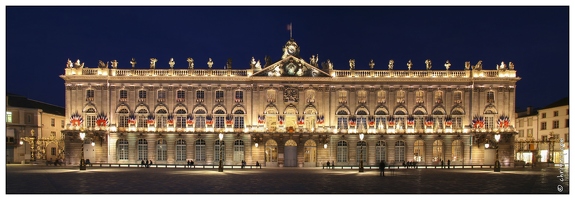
{"points": [[325, 146], [497, 137], [487, 145]]}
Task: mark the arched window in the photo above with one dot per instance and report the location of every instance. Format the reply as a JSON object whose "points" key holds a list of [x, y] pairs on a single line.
{"points": [[181, 118], [341, 151], [142, 118], [437, 150], [200, 118], [342, 117], [380, 152], [219, 150], [142, 149], [90, 118], [238, 151], [219, 116], [200, 150], [122, 149], [161, 118], [180, 150], [399, 152], [457, 150], [381, 119], [161, 150], [361, 151], [362, 119], [418, 151], [239, 116], [123, 116]]}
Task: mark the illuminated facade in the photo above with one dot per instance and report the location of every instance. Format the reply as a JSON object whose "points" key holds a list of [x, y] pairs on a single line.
{"points": [[289, 112]]}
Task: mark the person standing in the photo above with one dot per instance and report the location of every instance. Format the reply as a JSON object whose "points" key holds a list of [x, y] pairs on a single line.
{"points": [[382, 168], [147, 164], [150, 163], [448, 164], [328, 164], [143, 163], [441, 164]]}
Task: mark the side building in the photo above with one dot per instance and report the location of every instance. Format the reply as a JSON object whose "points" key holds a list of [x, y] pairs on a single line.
{"points": [[543, 135], [33, 130], [290, 113]]}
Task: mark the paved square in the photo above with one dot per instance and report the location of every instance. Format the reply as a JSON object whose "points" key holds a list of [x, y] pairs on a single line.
{"points": [[36, 179]]}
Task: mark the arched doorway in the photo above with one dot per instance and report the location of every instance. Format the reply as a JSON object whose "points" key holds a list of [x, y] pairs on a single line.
{"points": [[290, 154], [310, 154], [271, 153]]}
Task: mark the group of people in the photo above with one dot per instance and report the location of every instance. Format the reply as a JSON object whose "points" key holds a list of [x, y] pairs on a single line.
{"points": [[410, 164], [448, 164], [190, 163], [147, 163], [332, 164], [57, 162]]}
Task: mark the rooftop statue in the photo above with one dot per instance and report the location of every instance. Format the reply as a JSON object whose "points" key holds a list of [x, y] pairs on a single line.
{"points": [[258, 66], [428, 64], [229, 64], [502, 66], [351, 64], [511, 66], [101, 64], [371, 64], [114, 64], [467, 65], [190, 63], [409, 64], [153, 63], [133, 62], [210, 63], [478, 66], [313, 60], [172, 63], [69, 63], [447, 65], [268, 61], [252, 63], [77, 64], [329, 64], [390, 64]]}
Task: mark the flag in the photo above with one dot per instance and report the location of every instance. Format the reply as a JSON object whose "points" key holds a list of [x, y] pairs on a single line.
{"points": [[289, 27]]}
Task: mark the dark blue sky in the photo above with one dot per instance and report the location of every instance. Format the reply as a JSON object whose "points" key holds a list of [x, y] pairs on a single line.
{"points": [[39, 40]]}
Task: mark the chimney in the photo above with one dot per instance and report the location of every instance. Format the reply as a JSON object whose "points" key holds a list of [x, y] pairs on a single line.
{"points": [[529, 108]]}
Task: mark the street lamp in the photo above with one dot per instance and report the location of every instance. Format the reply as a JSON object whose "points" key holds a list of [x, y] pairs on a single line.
{"points": [[82, 162], [497, 167], [221, 167], [551, 147], [361, 153], [22, 143]]}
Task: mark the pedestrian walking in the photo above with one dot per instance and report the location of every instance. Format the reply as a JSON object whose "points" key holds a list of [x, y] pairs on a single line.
{"points": [[448, 164], [143, 163], [403, 164], [441, 164], [328, 164], [382, 168], [191, 163], [150, 163], [147, 164]]}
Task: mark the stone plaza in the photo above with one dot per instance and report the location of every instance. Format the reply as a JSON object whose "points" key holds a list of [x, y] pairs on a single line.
{"points": [[159, 180]]}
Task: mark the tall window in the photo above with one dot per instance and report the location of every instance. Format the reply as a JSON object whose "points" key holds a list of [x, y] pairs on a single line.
{"points": [[271, 152], [419, 96], [90, 118], [62, 123], [400, 97], [490, 97], [161, 95], [361, 120], [566, 123], [161, 118], [200, 150], [220, 121], [342, 96], [122, 149], [9, 117], [162, 150], [342, 117], [380, 152], [380, 119], [341, 151], [399, 151], [142, 118], [555, 124], [200, 118], [200, 96], [361, 151], [123, 95], [238, 151], [219, 150], [90, 95], [239, 96], [521, 133], [543, 115], [543, 125], [529, 133], [457, 97], [239, 119], [418, 151], [53, 122], [180, 95], [437, 150], [180, 150], [219, 96], [555, 113], [123, 116], [181, 118], [142, 94], [438, 97], [489, 123], [438, 119], [142, 149], [456, 150], [381, 97], [362, 96], [529, 122]]}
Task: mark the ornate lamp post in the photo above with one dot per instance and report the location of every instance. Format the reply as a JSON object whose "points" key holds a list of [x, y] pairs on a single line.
{"points": [[221, 166], [361, 153], [497, 167], [82, 162]]}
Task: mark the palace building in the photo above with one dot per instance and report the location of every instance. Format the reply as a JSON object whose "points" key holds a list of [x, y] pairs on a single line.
{"points": [[290, 112]]}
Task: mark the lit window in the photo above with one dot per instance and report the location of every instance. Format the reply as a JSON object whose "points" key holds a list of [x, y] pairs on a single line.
{"points": [[238, 151], [399, 151], [490, 97], [9, 117], [342, 151], [180, 150], [142, 149], [200, 150], [89, 95], [162, 150]]}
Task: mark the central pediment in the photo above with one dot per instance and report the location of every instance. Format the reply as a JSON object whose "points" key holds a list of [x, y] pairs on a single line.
{"points": [[291, 66]]}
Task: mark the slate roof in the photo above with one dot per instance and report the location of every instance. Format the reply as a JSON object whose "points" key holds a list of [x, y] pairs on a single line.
{"points": [[15, 100], [562, 102]]}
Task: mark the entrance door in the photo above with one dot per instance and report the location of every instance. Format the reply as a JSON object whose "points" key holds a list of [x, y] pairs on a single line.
{"points": [[290, 156], [309, 154]]}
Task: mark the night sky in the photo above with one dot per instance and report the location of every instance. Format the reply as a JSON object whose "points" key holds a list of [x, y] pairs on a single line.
{"points": [[39, 40]]}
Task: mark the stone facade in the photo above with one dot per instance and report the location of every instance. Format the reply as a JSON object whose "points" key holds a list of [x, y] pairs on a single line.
{"points": [[283, 113]]}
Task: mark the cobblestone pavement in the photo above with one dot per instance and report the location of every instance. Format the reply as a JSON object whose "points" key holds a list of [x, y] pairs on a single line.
{"points": [[37, 179]]}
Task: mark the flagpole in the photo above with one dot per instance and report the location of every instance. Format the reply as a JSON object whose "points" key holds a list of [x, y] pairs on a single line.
{"points": [[290, 30]]}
